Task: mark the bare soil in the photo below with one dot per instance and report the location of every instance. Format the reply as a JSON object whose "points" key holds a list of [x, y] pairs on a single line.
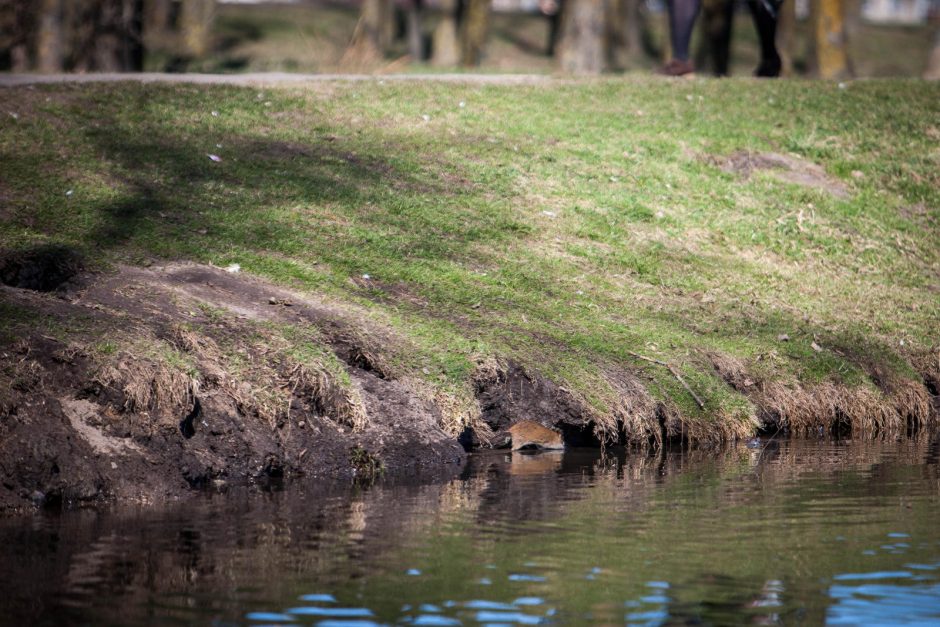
{"points": [[787, 168], [79, 426]]}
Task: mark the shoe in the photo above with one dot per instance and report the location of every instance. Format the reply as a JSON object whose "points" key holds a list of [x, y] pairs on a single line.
{"points": [[769, 68], [677, 68]]}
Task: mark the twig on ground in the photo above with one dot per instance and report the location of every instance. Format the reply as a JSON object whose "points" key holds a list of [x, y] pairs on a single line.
{"points": [[674, 373]]}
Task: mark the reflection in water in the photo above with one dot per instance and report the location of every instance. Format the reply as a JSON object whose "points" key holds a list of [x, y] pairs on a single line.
{"points": [[786, 532]]}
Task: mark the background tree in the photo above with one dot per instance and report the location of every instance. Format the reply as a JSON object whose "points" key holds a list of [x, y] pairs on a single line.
{"points": [[158, 34], [634, 23], [932, 73], [49, 40], [371, 39], [17, 34], [445, 52], [830, 58], [583, 37], [195, 26], [414, 10], [786, 36], [473, 27]]}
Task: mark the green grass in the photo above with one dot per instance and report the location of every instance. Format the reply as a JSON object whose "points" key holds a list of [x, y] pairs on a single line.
{"points": [[564, 226]]}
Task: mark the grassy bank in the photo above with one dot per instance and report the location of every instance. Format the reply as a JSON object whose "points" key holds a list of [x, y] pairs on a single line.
{"points": [[773, 244]]}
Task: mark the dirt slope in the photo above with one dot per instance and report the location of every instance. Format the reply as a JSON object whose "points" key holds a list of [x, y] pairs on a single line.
{"points": [[147, 382]]}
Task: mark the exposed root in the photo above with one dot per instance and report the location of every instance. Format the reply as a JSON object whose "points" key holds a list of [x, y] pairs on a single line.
{"points": [[927, 364], [323, 392], [639, 415], [147, 385], [459, 412]]}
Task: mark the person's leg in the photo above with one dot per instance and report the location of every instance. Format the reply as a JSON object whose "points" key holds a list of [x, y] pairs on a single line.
{"points": [[718, 18], [765, 14], [682, 14]]}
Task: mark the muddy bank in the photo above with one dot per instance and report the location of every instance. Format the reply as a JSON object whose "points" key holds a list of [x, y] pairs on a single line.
{"points": [[146, 384]]}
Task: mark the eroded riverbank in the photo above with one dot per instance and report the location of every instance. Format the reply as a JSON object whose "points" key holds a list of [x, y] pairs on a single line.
{"points": [[144, 384]]}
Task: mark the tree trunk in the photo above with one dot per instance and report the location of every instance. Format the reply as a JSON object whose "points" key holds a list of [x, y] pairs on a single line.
{"points": [[473, 29], [17, 35], [830, 49], [413, 30], [370, 40], [195, 24], [632, 25], [445, 52], [582, 38], [156, 22], [49, 53], [107, 56], [932, 73], [786, 36]]}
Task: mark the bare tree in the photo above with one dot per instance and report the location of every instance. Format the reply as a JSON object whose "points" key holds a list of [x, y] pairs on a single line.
{"points": [[49, 40], [195, 26], [473, 28], [932, 73], [17, 34], [413, 34], [583, 39], [830, 41], [786, 36], [158, 32], [445, 52], [370, 40]]}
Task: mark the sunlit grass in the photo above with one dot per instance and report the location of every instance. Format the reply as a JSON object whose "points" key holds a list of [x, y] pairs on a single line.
{"points": [[564, 226]]}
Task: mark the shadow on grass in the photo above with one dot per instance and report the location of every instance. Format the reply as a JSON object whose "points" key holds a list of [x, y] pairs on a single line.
{"points": [[339, 200]]}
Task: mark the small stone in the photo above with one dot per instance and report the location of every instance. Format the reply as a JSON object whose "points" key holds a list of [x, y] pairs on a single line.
{"points": [[301, 424], [272, 301], [113, 466], [783, 337], [426, 117], [215, 114]]}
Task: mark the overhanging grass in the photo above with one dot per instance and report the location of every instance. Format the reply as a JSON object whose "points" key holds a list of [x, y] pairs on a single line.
{"points": [[564, 226]]}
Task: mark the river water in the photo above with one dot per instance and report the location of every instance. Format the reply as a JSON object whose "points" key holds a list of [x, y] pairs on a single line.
{"points": [[794, 532]]}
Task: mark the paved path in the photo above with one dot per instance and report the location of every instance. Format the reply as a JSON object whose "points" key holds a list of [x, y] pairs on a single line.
{"points": [[271, 78]]}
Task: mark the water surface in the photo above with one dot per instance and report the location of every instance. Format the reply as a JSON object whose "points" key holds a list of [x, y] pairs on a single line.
{"points": [[795, 532]]}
